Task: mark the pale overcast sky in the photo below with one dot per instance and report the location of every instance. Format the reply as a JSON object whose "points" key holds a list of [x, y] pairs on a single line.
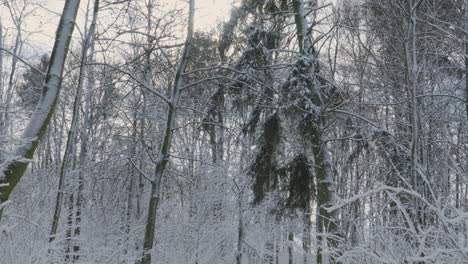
{"points": [[43, 24], [208, 12]]}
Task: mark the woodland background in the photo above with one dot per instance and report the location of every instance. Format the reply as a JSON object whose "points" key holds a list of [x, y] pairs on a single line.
{"points": [[296, 132]]}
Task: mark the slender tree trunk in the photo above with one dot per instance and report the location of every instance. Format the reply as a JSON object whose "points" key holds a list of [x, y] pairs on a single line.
{"points": [[1, 69], [326, 226], [71, 141], [133, 174], [89, 37], [69, 228], [12, 170], [466, 56], [166, 143], [290, 248], [412, 71], [61, 188], [306, 239], [240, 228], [277, 247], [141, 185], [216, 118], [9, 91]]}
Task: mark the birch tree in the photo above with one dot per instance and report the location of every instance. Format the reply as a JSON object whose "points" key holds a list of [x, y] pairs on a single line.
{"points": [[70, 149], [313, 131], [326, 130], [164, 151], [14, 167]]}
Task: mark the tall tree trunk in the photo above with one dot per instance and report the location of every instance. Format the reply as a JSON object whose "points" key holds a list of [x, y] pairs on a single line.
{"points": [[1, 70], [466, 56], [412, 68], [290, 248], [12, 170], [325, 224], [141, 184], [89, 38], [240, 227], [306, 239], [72, 138], [166, 143], [215, 118], [9, 91], [69, 228], [133, 174]]}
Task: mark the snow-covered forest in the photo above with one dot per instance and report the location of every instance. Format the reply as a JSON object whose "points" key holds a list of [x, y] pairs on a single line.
{"points": [[295, 131]]}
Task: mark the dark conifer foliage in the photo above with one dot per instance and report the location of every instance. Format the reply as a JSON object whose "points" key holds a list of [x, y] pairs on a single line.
{"points": [[30, 89], [264, 167], [295, 132], [301, 182]]}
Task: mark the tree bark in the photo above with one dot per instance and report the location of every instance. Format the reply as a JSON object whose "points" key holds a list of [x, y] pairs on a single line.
{"points": [[9, 91], [13, 169], [412, 68], [240, 227], [1, 69], [466, 56], [325, 224], [72, 134], [89, 38], [290, 247], [166, 144]]}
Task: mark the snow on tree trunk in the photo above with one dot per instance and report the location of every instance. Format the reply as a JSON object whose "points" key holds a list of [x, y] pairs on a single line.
{"points": [[315, 121], [14, 167], [166, 143], [466, 56], [1, 70]]}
